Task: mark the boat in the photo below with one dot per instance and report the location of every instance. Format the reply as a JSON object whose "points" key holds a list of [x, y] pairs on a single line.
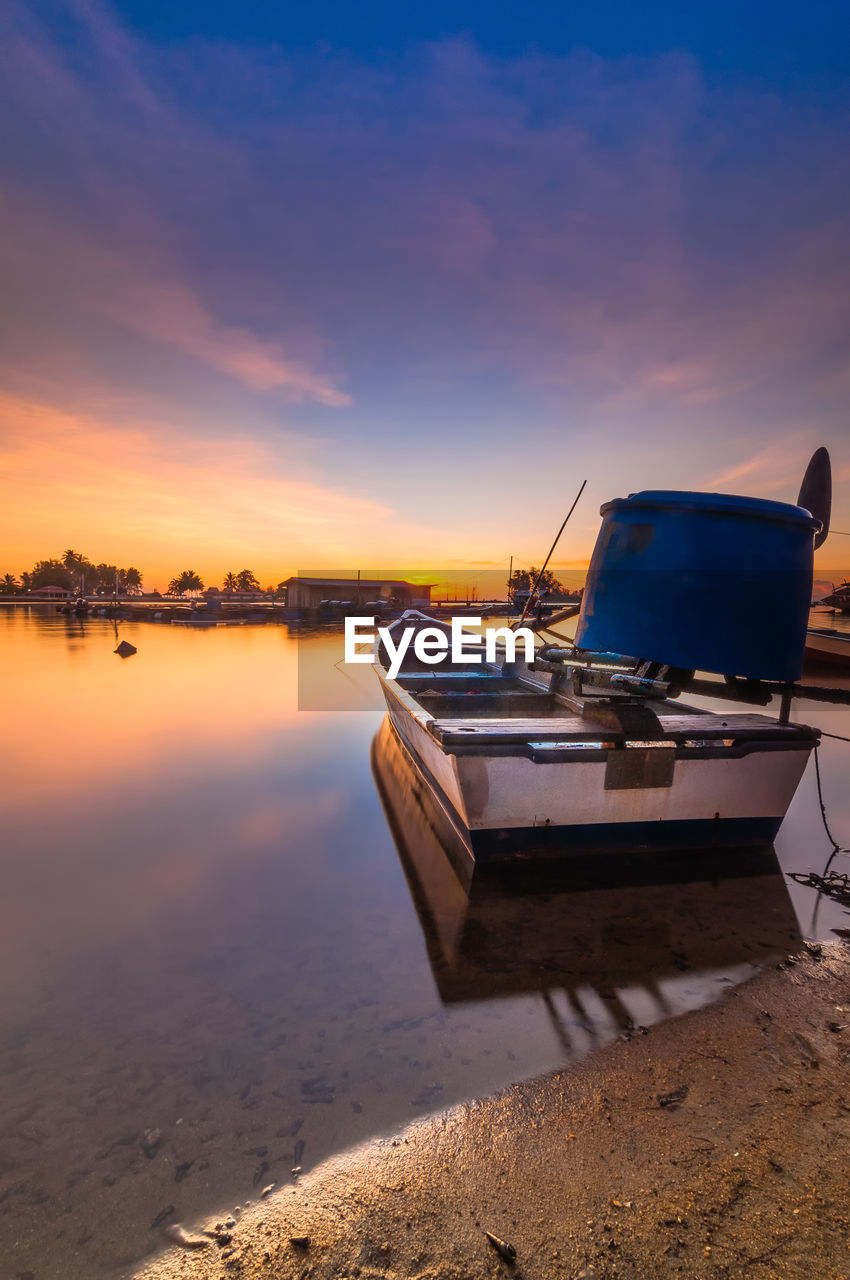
{"points": [[563, 754], [839, 598], [826, 647], [574, 747]]}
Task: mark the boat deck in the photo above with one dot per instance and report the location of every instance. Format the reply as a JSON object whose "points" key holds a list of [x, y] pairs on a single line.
{"points": [[573, 728]]}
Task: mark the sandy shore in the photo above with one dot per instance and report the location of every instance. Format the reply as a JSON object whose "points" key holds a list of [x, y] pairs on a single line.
{"points": [[714, 1145]]}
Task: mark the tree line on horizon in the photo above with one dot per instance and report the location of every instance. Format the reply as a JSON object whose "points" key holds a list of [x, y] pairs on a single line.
{"points": [[74, 572], [245, 580]]}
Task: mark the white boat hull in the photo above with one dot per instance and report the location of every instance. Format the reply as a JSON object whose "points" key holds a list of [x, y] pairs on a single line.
{"points": [[505, 802]]}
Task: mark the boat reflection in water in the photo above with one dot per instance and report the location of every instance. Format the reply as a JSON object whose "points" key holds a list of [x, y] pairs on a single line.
{"points": [[610, 942]]}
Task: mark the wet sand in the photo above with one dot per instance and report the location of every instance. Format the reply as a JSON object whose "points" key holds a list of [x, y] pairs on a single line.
{"points": [[713, 1145]]}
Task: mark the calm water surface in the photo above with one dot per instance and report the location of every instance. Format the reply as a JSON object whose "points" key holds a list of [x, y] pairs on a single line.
{"points": [[210, 931]]}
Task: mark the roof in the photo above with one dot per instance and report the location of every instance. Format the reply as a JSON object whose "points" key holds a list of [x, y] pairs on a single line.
{"points": [[355, 582]]}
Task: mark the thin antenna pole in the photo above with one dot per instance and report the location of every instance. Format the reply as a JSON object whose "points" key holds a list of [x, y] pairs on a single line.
{"points": [[551, 549]]}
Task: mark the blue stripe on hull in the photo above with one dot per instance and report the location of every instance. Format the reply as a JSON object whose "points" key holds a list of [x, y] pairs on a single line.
{"points": [[619, 837]]}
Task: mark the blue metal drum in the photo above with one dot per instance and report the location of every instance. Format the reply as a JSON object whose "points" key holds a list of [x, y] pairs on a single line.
{"points": [[707, 581]]}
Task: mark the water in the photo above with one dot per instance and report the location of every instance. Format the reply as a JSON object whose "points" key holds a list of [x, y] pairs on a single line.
{"points": [[209, 930]]}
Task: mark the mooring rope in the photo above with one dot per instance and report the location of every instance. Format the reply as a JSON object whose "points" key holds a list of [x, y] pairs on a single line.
{"points": [[839, 737], [836, 847], [832, 884]]}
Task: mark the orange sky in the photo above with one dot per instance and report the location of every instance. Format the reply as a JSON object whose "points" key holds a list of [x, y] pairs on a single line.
{"points": [[163, 502]]}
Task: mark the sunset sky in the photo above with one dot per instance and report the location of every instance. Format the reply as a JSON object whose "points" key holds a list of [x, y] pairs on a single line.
{"points": [[293, 285]]}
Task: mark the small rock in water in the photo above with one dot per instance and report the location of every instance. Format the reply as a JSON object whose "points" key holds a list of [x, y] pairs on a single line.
{"points": [[152, 1140], [266, 1191], [182, 1169], [182, 1237], [125, 649], [299, 1151], [230, 1222], [501, 1246]]}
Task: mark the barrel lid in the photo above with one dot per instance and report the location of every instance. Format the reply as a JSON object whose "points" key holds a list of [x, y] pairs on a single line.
{"points": [[717, 503]]}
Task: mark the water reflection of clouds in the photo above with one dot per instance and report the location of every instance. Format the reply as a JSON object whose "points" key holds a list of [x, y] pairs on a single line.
{"points": [[132, 878], [78, 720]]}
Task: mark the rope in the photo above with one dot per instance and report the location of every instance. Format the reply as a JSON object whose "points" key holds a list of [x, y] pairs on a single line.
{"points": [[836, 847]]}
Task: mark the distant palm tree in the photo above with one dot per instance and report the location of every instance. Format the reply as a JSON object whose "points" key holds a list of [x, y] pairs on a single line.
{"points": [[132, 579], [230, 582], [77, 564], [187, 581], [246, 581], [9, 586]]}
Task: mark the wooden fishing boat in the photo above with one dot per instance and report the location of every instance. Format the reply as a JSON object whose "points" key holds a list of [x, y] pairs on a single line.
{"points": [[550, 757], [827, 647]]}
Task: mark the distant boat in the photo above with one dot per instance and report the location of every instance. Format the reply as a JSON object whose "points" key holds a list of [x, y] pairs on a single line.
{"points": [[827, 647], [838, 599], [523, 763]]}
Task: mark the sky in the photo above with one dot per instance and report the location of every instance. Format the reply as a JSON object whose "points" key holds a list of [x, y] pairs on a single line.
{"points": [[298, 285]]}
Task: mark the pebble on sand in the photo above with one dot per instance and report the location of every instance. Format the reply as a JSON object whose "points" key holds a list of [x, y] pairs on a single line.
{"points": [[182, 1237]]}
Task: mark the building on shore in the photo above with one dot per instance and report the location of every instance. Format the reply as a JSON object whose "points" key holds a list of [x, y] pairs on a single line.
{"points": [[312, 593], [48, 593]]}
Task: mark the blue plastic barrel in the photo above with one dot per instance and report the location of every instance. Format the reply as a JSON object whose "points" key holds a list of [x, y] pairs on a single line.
{"points": [[707, 581]]}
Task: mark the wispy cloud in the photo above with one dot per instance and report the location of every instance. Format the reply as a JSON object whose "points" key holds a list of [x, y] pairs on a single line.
{"points": [[92, 286], [775, 470], [157, 497]]}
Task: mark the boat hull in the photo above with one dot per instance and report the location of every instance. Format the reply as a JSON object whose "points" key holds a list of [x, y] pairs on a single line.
{"points": [[509, 804], [828, 648]]}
